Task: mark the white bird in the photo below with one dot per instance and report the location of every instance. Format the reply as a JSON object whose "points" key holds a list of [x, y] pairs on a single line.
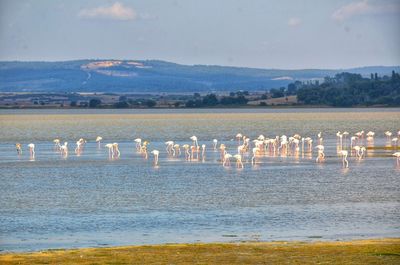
{"points": [[239, 163], [98, 140], [155, 153], [215, 142], [31, 149], [138, 142], [344, 155]]}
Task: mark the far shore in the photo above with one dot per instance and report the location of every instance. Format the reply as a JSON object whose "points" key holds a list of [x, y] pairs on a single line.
{"points": [[370, 251]]}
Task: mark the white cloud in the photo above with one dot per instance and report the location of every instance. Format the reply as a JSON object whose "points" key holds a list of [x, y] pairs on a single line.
{"points": [[116, 11], [294, 21], [363, 8]]}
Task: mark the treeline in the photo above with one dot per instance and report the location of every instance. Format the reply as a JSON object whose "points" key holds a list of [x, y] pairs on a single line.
{"points": [[347, 89], [123, 103], [211, 100]]}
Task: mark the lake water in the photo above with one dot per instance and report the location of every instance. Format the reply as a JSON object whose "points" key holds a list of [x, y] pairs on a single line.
{"points": [[91, 200]]}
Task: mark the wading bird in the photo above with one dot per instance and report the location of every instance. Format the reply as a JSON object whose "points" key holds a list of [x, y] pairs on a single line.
{"points": [[215, 142], [19, 148], [155, 154], [321, 154], [98, 141], [239, 163], [397, 154], [31, 147], [344, 155]]}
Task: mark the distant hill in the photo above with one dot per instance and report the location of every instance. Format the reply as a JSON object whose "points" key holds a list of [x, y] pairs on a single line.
{"points": [[153, 76]]}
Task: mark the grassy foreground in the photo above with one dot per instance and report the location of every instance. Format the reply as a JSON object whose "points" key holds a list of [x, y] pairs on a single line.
{"points": [[380, 251]]}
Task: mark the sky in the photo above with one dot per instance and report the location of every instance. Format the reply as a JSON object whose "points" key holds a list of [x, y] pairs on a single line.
{"points": [[282, 34]]}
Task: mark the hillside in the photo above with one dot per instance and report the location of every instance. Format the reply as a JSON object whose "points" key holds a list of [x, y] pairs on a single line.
{"points": [[152, 76]]}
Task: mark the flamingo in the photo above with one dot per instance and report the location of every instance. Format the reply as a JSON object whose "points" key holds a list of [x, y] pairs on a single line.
{"points": [[397, 155], [363, 150], [138, 142], [388, 135], [357, 149], [238, 137], [170, 147], [296, 144], [321, 155], [203, 151], [177, 150], [241, 149], [227, 161], [98, 140], [344, 155], [187, 154], [223, 152], [215, 142], [143, 149], [31, 149], [155, 153], [370, 136], [57, 145], [64, 149], [239, 163], [116, 151], [284, 142], [319, 138], [110, 150], [19, 148], [79, 145], [256, 151], [395, 140], [340, 139], [309, 142], [194, 139], [360, 135]]}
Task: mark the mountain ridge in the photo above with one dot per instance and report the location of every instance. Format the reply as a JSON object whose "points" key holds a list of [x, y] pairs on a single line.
{"points": [[102, 75]]}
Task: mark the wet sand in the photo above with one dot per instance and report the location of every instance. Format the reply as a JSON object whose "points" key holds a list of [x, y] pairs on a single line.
{"points": [[372, 251]]}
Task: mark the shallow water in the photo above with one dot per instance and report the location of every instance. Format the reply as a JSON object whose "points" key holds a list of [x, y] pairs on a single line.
{"points": [[90, 200]]}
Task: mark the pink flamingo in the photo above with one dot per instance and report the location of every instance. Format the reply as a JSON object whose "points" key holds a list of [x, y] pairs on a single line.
{"points": [[98, 141], [344, 155], [155, 153], [239, 163], [397, 155]]}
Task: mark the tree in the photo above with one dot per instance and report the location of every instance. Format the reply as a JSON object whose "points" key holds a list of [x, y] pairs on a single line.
{"points": [[121, 105], [275, 93], [291, 89], [94, 103], [73, 104], [210, 100], [151, 103]]}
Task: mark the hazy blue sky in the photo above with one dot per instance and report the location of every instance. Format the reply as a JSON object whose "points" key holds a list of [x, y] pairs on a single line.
{"points": [[254, 33]]}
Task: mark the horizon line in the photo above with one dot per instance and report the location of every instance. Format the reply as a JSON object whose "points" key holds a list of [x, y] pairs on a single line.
{"points": [[215, 65]]}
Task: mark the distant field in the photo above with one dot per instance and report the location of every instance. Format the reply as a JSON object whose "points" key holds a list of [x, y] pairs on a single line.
{"points": [[276, 101], [383, 251]]}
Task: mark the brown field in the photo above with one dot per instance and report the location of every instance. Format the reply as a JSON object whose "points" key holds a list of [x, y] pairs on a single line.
{"points": [[276, 101], [379, 251]]}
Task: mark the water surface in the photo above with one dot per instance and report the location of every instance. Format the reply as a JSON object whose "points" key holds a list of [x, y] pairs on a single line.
{"points": [[90, 200]]}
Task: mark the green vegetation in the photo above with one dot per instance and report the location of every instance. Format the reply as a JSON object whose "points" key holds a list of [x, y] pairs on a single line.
{"points": [[211, 100], [383, 251], [346, 90]]}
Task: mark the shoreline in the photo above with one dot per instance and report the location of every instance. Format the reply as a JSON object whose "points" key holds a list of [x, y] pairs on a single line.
{"points": [[365, 251]]}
